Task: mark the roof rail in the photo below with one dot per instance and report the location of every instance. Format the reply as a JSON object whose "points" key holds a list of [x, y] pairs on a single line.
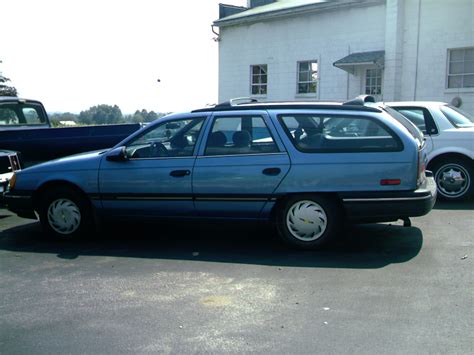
{"points": [[360, 100], [235, 102]]}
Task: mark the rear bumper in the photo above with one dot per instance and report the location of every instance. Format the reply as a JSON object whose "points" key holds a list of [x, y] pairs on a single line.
{"points": [[20, 203], [390, 206]]}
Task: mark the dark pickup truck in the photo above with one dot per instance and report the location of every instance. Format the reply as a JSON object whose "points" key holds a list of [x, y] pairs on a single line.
{"points": [[27, 138], [25, 128]]}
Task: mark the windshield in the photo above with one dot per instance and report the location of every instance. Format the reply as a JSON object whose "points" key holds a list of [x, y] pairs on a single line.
{"points": [[457, 117]]}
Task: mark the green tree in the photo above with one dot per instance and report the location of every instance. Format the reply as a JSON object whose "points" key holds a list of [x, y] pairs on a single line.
{"points": [[101, 114], [5, 89], [138, 117], [57, 117]]}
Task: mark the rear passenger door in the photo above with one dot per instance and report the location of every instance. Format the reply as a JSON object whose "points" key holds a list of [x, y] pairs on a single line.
{"points": [[239, 166]]}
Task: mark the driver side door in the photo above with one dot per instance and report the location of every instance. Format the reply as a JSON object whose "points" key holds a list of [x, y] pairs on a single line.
{"points": [[154, 179]]}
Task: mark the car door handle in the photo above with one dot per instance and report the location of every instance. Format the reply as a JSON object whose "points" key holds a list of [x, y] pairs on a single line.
{"points": [[180, 173], [271, 171]]}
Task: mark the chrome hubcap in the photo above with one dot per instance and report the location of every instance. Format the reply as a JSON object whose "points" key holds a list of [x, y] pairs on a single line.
{"points": [[306, 220], [64, 216], [452, 180]]}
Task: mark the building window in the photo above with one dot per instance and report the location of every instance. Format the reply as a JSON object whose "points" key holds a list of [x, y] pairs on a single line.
{"points": [[259, 79], [461, 68], [373, 82], [307, 77]]}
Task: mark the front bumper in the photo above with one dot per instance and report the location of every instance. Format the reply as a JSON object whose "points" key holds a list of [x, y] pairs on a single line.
{"points": [[390, 206], [21, 203], [4, 182]]}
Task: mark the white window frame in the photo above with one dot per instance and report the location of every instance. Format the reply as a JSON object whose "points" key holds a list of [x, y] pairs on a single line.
{"points": [[316, 81], [259, 84], [367, 89], [461, 75]]}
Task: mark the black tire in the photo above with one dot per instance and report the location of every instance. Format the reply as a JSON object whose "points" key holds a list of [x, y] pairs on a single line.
{"points": [[454, 178], [65, 214], [308, 221]]}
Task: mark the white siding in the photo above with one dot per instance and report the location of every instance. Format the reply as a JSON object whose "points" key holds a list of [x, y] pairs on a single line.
{"points": [[281, 43], [443, 25], [415, 66]]}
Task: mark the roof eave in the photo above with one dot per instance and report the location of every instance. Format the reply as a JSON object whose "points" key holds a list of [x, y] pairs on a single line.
{"points": [[303, 9]]}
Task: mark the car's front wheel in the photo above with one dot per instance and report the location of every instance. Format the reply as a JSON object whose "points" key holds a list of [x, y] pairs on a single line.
{"points": [[454, 178], [308, 221], [65, 213]]}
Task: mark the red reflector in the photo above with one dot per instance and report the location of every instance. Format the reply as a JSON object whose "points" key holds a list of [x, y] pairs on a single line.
{"points": [[390, 182]]}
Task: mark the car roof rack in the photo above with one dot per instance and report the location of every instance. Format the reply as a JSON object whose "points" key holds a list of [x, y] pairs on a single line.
{"points": [[235, 102], [248, 103], [360, 100]]}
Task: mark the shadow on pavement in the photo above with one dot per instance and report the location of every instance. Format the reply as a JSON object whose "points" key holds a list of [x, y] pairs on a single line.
{"points": [[463, 205], [361, 247]]}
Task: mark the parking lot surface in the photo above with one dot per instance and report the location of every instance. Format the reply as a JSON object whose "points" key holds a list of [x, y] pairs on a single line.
{"points": [[191, 288]]}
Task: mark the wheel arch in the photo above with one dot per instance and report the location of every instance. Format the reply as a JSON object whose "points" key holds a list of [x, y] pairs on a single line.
{"points": [[281, 201], [55, 184], [448, 156]]}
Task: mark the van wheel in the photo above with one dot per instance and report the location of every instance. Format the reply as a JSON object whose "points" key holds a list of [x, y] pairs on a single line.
{"points": [[454, 178], [308, 221], [64, 213]]}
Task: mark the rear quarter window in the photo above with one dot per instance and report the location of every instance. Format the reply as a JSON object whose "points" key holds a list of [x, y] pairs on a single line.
{"points": [[339, 134]]}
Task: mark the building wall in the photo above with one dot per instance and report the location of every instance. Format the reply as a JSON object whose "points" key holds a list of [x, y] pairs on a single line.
{"points": [[281, 43], [443, 25], [415, 34]]}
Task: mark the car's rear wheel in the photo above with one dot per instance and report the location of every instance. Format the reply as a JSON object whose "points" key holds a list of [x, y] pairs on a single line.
{"points": [[454, 178], [65, 213], [308, 221]]}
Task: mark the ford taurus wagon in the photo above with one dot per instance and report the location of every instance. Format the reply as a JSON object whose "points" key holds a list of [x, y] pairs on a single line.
{"points": [[306, 167]]}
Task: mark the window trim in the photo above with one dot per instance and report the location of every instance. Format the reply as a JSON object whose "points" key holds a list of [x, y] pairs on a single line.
{"points": [[400, 146], [307, 94], [448, 75]]}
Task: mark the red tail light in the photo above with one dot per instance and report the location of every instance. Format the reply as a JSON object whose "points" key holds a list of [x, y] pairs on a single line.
{"points": [[385, 182]]}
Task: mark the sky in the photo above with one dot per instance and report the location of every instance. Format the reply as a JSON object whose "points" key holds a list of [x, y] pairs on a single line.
{"points": [[75, 54]]}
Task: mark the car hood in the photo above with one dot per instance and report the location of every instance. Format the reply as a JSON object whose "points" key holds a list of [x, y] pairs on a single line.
{"points": [[457, 130], [83, 161]]}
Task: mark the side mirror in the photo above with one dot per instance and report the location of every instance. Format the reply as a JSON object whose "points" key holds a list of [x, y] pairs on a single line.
{"points": [[117, 154]]}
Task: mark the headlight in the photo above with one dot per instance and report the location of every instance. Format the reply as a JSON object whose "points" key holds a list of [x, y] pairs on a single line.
{"points": [[12, 182]]}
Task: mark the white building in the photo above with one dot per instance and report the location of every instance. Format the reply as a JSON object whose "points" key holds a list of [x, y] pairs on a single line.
{"points": [[338, 49]]}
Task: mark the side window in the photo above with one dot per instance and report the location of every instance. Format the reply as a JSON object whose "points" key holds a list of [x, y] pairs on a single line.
{"points": [[416, 116], [8, 117], [420, 117], [31, 116], [240, 135], [169, 139], [326, 133]]}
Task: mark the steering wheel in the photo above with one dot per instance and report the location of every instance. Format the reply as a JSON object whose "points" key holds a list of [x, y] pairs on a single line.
{"points": [[157, 149], [297, 134]]}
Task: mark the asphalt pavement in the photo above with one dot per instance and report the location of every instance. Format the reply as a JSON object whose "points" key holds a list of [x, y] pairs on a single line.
{"points": [[193, 288]]}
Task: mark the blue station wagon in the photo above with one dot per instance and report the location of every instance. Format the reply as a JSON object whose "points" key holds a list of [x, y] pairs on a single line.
{"points": [[306, 167]]}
